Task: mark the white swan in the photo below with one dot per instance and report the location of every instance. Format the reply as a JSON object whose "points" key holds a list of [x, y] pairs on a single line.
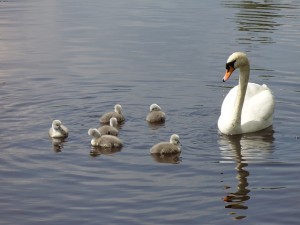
{"points": [[248, 107], [117, 114], [172, 147], [110, 129], [58, 130], [156, 115]]}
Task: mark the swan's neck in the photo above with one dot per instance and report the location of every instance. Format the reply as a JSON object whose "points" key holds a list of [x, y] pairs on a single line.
{"points": [[240, 97]]}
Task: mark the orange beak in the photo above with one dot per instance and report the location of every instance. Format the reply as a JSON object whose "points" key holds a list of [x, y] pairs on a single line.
{"points": [[228, 73]]}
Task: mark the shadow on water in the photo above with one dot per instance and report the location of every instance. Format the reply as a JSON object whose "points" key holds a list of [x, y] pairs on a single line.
{"points": [[242, 150], [258, 19]]}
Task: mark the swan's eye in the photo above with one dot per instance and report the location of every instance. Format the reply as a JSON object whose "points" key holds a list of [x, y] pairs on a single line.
{"points": [[230, 64]]}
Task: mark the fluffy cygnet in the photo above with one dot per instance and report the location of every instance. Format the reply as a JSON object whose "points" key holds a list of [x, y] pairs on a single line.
{"points": [[156, 115], [107, 141], [110, 129], [171, 147], [117, 114], [58, 130]]}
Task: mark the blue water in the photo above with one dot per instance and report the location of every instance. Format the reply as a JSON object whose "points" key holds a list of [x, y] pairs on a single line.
{"points": [[74, 60]]}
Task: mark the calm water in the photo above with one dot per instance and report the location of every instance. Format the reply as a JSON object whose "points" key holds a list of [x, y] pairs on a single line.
{"points": [[74, 60]]}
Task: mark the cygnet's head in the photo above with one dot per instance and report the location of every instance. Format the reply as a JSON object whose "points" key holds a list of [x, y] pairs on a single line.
{"points": [[113, 122], [118, 108], [154, 107], [94, 133], [174, 139], [56, 124]]}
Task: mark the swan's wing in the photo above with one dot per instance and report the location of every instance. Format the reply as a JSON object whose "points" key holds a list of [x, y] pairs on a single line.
{"points": [[259, 103]]}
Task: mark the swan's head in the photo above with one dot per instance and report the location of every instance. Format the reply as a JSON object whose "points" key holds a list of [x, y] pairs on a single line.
{"points": [[56, 124], [94, 133], [174, 139], [154, 107], [113, 122], [234, 61], [118, 108]]}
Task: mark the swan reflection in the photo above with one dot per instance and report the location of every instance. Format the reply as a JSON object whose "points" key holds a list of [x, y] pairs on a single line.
{"points": [[242, 150]]}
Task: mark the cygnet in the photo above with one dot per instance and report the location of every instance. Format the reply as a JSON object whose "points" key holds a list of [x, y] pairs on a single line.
{"points": [[156, 115], [58, 130], [171, 147], [107, 141]]}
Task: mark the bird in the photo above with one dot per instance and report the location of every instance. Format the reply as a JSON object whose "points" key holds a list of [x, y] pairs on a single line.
{"points": [[117, 114], [110, 129], [172, 147], [58, 130], [106, 141], [248, 107], [156, 115]]}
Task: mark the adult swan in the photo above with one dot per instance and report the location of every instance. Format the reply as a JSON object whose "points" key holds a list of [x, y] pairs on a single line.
{"points": [[248, 107]]}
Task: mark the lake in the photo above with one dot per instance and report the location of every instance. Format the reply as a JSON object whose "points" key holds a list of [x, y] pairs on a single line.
{"points": [[74, 60]]}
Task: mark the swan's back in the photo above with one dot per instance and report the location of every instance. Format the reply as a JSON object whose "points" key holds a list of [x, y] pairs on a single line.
{"points": [[259, 103], [252, 91]]}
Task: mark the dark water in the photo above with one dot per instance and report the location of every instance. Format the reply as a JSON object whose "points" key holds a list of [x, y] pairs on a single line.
{"points": [[74, 60]]}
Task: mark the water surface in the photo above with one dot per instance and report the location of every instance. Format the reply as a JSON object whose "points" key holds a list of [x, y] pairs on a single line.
{"points": [[74, 60]]}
